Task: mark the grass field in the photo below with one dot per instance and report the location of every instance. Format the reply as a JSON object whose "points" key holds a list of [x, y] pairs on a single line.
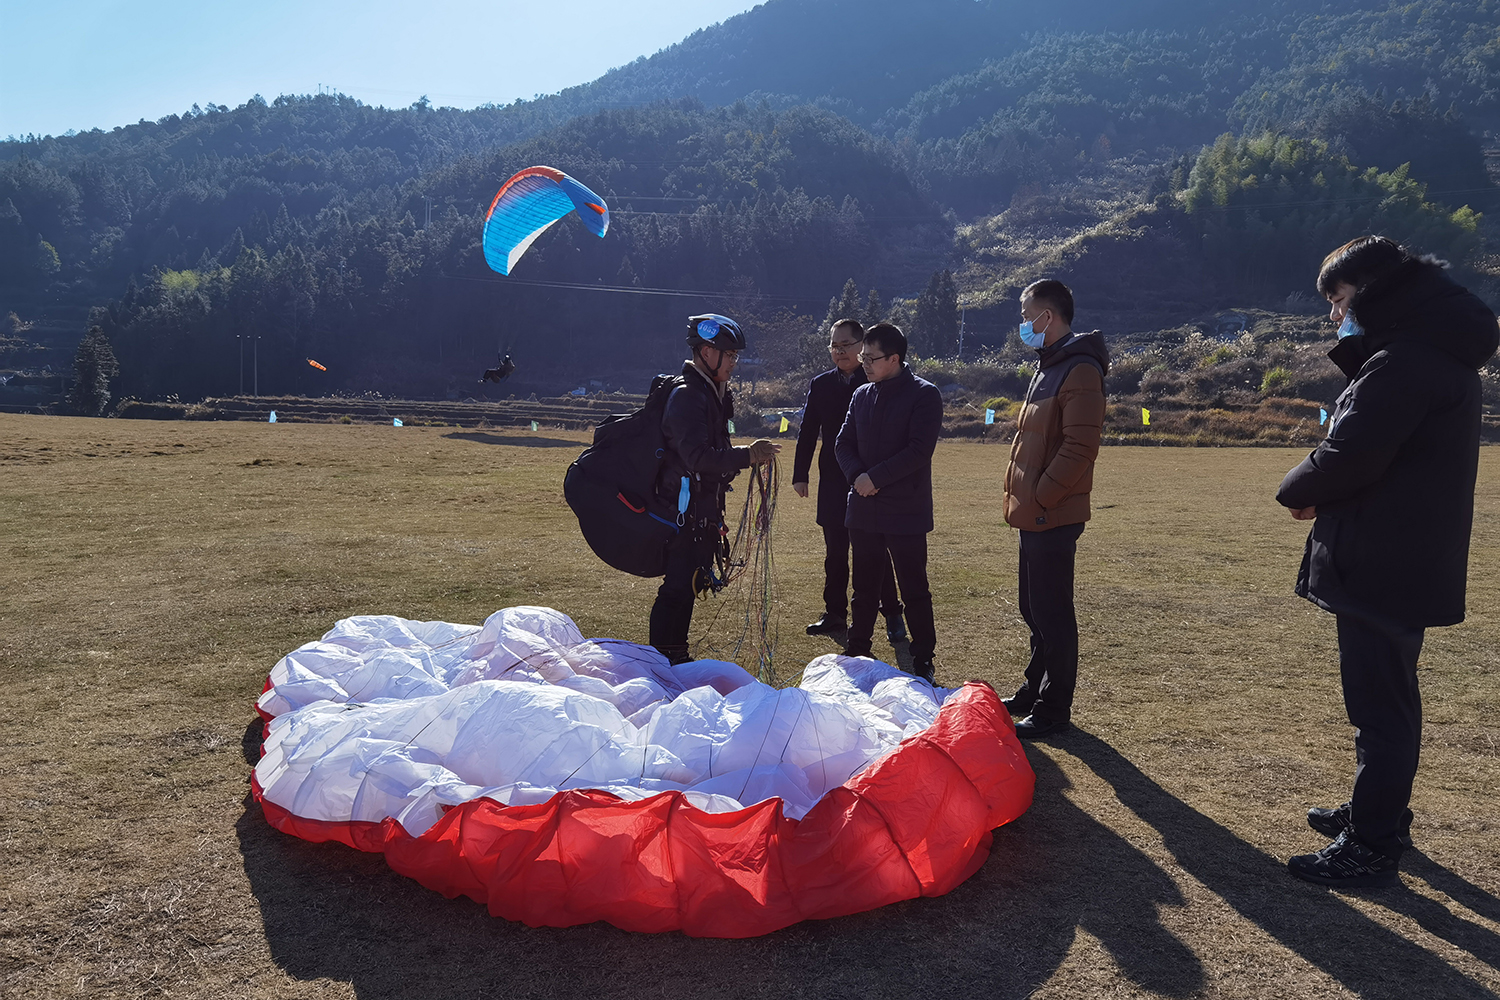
{"points": [[153, 572]]}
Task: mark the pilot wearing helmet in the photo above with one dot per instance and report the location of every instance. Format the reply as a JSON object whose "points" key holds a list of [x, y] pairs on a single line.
{"points": [[695, 427]]}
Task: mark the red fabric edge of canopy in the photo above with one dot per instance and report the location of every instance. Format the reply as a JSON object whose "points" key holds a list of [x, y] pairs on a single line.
{"points": [[916, 822]]}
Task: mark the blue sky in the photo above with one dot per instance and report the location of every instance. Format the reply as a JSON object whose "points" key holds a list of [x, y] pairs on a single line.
{"points": [[81, 64]]}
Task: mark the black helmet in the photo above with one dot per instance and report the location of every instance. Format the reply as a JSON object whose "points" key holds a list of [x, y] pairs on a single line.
{"points": [[719, 331]]}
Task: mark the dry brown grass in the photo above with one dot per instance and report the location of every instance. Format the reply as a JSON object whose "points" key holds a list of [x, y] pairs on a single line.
{"points": [[153, 572]]}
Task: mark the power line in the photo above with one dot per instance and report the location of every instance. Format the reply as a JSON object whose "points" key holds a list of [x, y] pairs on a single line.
{"points": [[629, 289]]}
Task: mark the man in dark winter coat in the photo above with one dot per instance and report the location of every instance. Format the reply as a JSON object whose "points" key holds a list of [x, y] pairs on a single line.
{"points": [[827, 404], [1047, 486], [1390, 492], [885, 449], [701, 460]]}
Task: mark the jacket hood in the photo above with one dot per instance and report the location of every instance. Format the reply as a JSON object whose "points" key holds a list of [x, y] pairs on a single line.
{"points": [[1419, 302], [1090, 344]]}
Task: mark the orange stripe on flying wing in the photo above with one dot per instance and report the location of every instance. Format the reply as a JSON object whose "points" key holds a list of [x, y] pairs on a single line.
{"points": [[551, 173]]}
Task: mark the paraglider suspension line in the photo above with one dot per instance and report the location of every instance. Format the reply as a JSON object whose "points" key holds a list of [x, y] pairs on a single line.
{"points": [[748, 560]]}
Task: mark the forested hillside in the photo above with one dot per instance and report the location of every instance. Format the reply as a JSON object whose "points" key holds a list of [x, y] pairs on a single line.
{"points": [[1172, 160]]}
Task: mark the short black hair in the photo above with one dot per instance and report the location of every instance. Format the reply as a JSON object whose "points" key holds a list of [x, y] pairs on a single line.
{"points": [[1359, 262], [888, 338], [1057, 295], [856, 328]]}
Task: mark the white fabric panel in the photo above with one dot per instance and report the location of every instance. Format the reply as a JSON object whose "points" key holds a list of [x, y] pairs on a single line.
{"points": [[385, 717]]}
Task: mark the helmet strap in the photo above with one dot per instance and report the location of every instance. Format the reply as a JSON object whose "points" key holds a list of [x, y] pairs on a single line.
{"points": [[698, 350]]}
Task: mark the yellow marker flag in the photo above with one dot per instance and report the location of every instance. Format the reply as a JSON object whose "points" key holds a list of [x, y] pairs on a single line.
{"points": [[1145, 417], [784, 424]]}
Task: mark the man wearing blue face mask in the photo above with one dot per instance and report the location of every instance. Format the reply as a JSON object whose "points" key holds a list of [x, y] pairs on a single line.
{"points": [[1390, 493], [1047, 489]]}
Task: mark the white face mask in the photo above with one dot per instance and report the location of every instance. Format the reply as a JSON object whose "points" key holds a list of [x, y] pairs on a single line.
{"points": [[1349, 328]]}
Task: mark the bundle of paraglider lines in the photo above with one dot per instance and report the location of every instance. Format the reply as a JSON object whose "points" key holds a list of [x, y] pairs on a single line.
{"points": [[748, 560]]}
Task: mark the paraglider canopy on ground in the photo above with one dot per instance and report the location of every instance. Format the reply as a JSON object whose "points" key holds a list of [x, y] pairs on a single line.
{"points": [[562, 780]]}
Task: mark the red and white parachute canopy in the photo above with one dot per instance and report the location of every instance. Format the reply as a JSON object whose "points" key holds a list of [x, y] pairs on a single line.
{"points": [[561, 780]]}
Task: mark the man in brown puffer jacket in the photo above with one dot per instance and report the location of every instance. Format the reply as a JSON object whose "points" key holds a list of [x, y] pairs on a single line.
{"points": [[1047, 496]]}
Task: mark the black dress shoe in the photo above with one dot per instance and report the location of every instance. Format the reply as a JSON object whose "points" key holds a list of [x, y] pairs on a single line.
{"points": [[1031, 727], [895, 629], [1018, 705], [827, 625]]}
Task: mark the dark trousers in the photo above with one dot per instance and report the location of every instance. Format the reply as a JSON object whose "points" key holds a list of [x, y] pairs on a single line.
{"points": [[836, 577], [1378, 664], [1046, 598], [688, 554], [874, 555]]}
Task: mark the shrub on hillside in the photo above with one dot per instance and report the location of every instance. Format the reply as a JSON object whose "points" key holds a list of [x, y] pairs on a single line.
{"points": [[1275, 380]]}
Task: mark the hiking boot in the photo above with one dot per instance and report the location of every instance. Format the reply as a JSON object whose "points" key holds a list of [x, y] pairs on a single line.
{"points": [[858, 648], [675, 654], [1345, 864], [1332, 822], [895, 628], [827, 625], [923, 668], [1329, 822]]}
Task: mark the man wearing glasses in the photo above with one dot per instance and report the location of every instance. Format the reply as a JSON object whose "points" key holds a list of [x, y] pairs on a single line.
{"points": [[885, 450], [828, 398]]}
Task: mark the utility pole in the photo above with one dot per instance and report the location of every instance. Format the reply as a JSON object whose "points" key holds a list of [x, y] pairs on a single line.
{"points": [[241, 338], [961, 312], [256, 363]]}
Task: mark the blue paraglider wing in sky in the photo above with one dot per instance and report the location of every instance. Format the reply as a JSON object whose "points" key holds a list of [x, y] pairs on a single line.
{"points": [[527, 204]]}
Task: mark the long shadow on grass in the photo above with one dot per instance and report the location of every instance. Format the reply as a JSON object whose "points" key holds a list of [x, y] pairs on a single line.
{"points": [[515, 442], [1364, 956], [330, 912]]}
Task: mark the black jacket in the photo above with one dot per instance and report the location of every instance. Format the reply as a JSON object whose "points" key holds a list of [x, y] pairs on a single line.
{"points": [[827, 404], [1393, 483], [890, 433], [695, 426]]}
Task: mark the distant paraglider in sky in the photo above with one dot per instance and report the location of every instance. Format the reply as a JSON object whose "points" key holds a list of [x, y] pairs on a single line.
{"points": [[507, 366], [532, 200], [319, 367]]}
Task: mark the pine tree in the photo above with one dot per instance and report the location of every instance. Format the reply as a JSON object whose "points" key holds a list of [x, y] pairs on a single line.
{"points": [[937, 316], [93, 367], [874, 310], [845, 306]]}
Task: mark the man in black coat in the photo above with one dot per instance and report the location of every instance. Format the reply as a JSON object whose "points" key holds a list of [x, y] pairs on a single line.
{"points": [[1390, 492], [885, 449], [828, 398], [698, 463]]}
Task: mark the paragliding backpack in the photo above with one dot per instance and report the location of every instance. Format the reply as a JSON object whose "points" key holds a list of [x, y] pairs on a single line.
{"points": [[612, 487]]}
